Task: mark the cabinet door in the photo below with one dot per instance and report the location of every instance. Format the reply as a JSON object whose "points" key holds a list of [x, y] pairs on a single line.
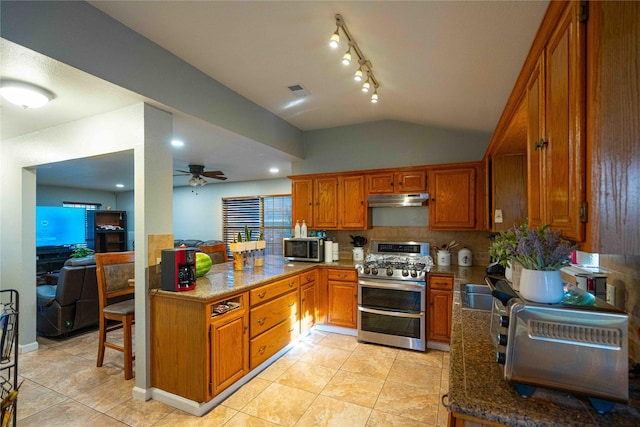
{"points": [[302, 201], [535, 131], [381, 183], [307, 307], [326, 203], [343, 304], [411, 181], [229, 350], [453, 199], [564, 117], [353, 208], [439, 315]]}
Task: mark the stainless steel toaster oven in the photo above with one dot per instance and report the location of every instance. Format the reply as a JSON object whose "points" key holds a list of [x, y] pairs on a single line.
{"points": [[579, 347]]}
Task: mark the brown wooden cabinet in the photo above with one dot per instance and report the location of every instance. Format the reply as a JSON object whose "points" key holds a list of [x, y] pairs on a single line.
{"points": [[406, 181], [439, 306], [556, 146], [331, 202], [107, 230], [273, 318], [343, 297], [454, 203], [308, 300], [229, 346]]}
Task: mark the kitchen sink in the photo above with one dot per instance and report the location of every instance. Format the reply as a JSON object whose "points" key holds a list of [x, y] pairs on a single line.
{"points": [[476, 297]]}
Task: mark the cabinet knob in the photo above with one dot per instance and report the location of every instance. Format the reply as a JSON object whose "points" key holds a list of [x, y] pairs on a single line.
{"points": [[262, 349], [540, 144], [261, 321], [262, 294], [291, 304]]}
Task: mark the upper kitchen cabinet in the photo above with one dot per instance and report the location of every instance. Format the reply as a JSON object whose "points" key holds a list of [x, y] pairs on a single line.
{"points": [[330, 201], [613, 132], [456, 197], [556, 147], [397, 181]]}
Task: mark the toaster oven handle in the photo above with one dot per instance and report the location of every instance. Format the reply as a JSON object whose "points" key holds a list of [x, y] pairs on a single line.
{"points": [[500, 289]]}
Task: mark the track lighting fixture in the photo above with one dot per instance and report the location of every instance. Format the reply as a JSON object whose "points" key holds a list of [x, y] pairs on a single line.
{"points": [[365, 65]]}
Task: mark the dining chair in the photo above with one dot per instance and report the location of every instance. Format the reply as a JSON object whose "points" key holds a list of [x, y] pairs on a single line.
{"points": [[217, 252], [117, 309]]}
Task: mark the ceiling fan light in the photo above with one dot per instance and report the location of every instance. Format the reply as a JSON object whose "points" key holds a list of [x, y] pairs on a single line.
{"points": [[193, 181], [358, 75], [25, 94], [335, 39], [202, 181]]}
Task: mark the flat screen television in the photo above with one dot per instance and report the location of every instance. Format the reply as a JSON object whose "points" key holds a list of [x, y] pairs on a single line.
{"points": [[58, 226]]}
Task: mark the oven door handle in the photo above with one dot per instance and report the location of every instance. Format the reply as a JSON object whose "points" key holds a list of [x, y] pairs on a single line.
{"points": [[391, 313], [413, 287]]}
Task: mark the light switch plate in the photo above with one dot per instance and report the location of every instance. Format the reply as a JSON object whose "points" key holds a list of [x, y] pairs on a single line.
{"points": [[498, 216]]}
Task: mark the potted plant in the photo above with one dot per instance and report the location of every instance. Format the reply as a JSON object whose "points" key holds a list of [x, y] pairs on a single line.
{"points": [[542, 253], [81, 252]]}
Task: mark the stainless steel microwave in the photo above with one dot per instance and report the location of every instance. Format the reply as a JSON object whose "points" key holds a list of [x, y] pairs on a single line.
{"points": [[309, 249]]}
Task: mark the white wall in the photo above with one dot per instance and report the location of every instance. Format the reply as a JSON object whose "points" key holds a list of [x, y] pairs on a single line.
{"points": [[197, 213], [49, 195]]}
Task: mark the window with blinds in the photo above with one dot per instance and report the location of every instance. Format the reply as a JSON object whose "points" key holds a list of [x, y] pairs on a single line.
{"points": [[270, 215]]}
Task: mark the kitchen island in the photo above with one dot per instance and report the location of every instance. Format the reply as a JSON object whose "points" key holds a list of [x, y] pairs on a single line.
{"points": [[479, 393]]}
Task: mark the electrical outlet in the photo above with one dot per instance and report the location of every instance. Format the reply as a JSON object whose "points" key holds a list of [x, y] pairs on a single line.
{"points": [[611, 294], [498, 216]]}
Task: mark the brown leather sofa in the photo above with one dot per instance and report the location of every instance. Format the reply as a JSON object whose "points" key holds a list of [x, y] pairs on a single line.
{"points": [[72, 304]]}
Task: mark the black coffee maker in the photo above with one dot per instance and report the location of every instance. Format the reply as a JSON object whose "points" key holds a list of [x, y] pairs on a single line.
{"points": [[178, 269]]}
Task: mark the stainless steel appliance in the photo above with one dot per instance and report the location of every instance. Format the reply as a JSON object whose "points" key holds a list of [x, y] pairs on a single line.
{"points": [[391, 294], [397, 200], [579, 345], [303, 249]]}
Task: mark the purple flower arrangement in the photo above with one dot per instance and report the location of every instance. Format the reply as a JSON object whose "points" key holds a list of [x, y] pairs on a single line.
{"points": [[538, 248]]}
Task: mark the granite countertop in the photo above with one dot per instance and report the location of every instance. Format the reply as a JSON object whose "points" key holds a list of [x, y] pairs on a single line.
{"points": [[477, 387], [222, 280]]}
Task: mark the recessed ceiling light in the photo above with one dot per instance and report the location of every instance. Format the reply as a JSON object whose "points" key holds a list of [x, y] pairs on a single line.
{"points": [[120, 185], [274, 170], [177, 143]]}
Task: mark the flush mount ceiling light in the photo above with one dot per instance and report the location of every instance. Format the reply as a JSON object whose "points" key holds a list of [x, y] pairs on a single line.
{"points": [[25, 95], [365, 67]]}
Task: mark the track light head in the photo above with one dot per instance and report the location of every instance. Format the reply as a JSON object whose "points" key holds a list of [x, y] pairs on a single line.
{"points": [[366, 86], [358, 75], [335, 39], [374, 97], [346, 58]]}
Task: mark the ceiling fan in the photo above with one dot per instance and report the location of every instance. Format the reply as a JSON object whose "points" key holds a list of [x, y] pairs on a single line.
{"points": [[197, 173]]}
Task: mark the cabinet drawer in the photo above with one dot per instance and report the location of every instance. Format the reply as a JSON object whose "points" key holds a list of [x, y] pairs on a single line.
{"points": [[273, 312], [343, 275], [441, 282], [272, 290], [309, 276], [269, 343]]}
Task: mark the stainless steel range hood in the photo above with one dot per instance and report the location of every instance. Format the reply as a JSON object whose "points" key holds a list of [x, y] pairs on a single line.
{"points": [[397, 200]]}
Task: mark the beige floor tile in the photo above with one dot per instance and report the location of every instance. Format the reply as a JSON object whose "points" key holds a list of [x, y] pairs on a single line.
{"points": [[107, 395], [343, 342], [407, 401], [429, 358], [246, 393], [277, 368], [377, 366], [35, 398], [284, 411], [354, 388], [416, 375], [68, 413], [216, 417], [300, 348], [135, 412], [245, 420], [314, 337], [307, 376], [326, 411], [382, 419], [326, 356], [375, 350]]}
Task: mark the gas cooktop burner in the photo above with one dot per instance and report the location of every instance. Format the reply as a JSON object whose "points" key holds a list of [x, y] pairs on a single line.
{"points": [[396, 261]]}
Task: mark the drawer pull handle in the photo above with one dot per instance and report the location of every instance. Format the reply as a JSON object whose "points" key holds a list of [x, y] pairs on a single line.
{"points": [[262, 294], [291, 284], [261, 321], [291, 304], [262, 349], [291, 330]]}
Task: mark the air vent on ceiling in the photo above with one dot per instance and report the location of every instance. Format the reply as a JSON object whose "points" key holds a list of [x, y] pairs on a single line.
{"points": [[298, 90]]}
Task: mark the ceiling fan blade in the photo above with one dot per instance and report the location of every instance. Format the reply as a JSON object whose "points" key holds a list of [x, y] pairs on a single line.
{"points": [[181, 174], [185, 172], [212, 174], [221, 178]]}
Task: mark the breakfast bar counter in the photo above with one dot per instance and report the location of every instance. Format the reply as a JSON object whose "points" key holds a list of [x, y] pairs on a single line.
{"points": [[478, 391]]}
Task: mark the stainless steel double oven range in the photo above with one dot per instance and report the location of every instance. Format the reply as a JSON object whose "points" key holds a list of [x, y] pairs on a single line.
{"points": [[392, 294]]}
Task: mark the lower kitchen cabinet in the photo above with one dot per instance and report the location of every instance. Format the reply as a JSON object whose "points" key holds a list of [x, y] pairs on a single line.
{"points": [[229, 349], [439, 305], [343, 297], [308, 301]]}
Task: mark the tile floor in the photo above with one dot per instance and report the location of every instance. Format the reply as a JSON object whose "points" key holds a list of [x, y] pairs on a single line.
{"points": [[325, 380]]}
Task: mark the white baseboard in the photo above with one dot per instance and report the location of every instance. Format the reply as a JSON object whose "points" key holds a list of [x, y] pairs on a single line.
{"points": [[140, 393], [28, 348], [337, 330]]}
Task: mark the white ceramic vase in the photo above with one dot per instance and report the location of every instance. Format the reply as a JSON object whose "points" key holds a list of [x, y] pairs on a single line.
{"points": [[541, 286]]}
